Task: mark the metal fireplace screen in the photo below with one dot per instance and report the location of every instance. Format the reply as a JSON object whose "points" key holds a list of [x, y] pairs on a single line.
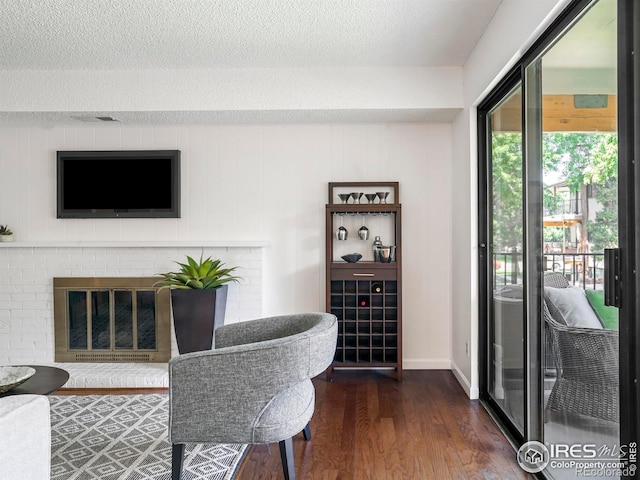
{"points": [[111, 320]]}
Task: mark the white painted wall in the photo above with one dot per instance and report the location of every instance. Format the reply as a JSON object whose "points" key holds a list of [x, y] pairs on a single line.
{"points": [[269, 182], [516, 24], [260, 182]]}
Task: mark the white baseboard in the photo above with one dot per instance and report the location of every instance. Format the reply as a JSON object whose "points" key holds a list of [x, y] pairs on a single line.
{"points": [[426, 364], [473, 393]]}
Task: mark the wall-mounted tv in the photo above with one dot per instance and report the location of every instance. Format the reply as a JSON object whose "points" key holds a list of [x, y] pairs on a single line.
{"points": [[118, 184]]}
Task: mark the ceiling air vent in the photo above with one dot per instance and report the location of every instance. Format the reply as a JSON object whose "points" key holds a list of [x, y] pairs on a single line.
{"points": [[88, 119]]}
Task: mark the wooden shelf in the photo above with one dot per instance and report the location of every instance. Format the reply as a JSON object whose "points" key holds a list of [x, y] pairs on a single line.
{"points": [[363, 208], [360, 265]]}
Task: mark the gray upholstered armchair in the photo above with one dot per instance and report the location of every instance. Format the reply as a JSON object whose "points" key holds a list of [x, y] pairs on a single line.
{"points": [[254, 387]]}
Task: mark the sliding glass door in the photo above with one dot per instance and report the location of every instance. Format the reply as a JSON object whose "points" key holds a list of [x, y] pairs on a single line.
{"points": [[555, 373], [506, 315], [579, 155]]}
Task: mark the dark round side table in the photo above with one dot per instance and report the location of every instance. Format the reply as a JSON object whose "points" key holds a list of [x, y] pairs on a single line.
{"points": [[43, 382]]}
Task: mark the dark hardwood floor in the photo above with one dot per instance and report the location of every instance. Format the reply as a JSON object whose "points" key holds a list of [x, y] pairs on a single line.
{"points": [[369, 426]]}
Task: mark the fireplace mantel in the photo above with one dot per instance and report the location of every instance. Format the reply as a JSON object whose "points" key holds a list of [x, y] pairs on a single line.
{"points": [[139, 243]]}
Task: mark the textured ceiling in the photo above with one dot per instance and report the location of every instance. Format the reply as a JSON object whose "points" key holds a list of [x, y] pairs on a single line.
{"points": [[247, 34], [254, 34], [119, 34]]}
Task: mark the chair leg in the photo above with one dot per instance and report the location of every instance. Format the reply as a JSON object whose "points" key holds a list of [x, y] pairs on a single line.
{"points": [[286, 454], [177, 457], [307, 432]]}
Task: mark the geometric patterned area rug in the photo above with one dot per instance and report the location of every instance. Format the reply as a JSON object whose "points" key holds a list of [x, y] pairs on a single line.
{"points": [[124, 437]]}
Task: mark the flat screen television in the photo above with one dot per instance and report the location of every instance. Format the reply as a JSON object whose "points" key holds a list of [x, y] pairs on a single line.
{"points": [[118, 184]]}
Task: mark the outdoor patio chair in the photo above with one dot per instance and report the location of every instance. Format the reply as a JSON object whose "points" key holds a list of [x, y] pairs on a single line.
{"points": [[586, 361], [254, 387]]}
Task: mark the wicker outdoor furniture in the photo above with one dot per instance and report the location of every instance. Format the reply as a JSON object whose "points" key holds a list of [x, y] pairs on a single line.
{"points": [[586, 362]]}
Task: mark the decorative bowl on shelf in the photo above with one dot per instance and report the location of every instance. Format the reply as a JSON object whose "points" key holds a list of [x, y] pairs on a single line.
{"points": [[11, 377], [351, 257]]}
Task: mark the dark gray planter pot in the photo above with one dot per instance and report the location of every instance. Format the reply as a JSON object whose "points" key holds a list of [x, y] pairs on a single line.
{"points": [[196, 314]]}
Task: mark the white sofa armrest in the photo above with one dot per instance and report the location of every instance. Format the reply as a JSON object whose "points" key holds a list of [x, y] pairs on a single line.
{"points": [[25, 437]]}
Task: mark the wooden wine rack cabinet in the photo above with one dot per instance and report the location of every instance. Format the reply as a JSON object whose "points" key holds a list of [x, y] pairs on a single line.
{"points": [[365, 296]]}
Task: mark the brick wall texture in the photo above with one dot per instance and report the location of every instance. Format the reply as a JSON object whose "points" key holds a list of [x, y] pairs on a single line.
{"points": [[26, 287]]}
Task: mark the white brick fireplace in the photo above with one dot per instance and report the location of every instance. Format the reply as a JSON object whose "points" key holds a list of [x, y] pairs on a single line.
{"points": [[26, 284]]}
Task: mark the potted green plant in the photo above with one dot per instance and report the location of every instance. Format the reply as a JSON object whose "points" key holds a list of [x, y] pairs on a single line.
{"points": [[6, 235], [198, 300]]}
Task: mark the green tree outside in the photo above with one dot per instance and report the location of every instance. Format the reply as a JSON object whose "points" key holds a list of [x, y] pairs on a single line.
{"points": [[507, 191], [581, 159], [589, 159]]}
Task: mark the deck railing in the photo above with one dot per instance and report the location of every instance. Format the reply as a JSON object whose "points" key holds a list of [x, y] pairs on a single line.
{"points": [[571, 206], [584, 270]]}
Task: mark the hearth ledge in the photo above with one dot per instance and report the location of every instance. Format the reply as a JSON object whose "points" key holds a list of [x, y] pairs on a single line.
{"points": [[115, 375]]}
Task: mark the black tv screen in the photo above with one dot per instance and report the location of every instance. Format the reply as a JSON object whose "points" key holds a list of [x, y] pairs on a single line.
{"points": [[118, 184]]}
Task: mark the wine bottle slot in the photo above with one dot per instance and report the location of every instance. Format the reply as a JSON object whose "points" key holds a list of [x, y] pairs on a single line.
{"points": [[363, 301]]}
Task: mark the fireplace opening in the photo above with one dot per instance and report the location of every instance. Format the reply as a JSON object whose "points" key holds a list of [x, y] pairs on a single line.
{"points": [[119, 319]]}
